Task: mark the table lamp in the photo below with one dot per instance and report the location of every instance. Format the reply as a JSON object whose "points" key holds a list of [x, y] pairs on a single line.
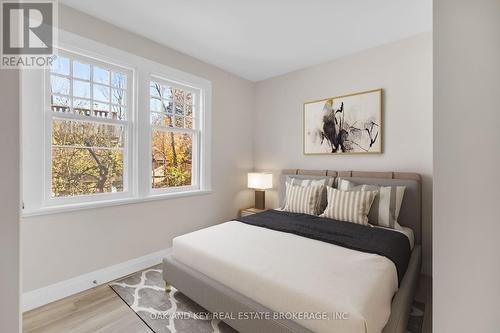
{"points": [[260, 181]]}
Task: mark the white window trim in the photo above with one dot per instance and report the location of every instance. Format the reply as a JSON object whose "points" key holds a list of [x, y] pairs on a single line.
{"points": [[128, 168], [139, 145], [111, 203]]}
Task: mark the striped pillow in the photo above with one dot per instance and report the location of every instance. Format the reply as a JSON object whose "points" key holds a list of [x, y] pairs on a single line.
{"points": [[386, 206], [324, 181], [303, 199], [349, 206]]}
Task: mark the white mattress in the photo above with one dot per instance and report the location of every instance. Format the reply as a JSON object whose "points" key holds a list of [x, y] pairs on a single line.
{"points": [[288, 273]]}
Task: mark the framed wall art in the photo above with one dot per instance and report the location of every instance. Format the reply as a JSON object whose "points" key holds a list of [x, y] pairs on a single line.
{"points": [[349, 124]]}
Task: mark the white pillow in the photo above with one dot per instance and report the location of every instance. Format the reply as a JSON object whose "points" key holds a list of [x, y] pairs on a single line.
{"points": [[386, 206], [303, 199], [349, 206]]}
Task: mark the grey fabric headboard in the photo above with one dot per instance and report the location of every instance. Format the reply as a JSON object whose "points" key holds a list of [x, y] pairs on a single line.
{"points": [[411, 209]]}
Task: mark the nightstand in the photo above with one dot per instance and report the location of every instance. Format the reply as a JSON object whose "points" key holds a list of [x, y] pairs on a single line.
{"points": [[250, 211]]}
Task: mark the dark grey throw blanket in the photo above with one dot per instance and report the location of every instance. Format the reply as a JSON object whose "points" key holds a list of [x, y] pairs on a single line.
{"points": [[390, 244]]}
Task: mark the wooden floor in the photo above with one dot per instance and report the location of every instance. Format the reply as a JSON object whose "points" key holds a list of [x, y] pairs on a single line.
{"points": [[95, 310], [100, 310]]}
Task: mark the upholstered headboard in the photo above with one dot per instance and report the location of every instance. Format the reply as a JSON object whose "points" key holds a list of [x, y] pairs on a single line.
{"points": [[411, 209]]}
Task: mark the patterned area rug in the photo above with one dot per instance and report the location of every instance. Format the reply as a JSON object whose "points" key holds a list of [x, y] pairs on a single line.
{"points": [[173, 312]]}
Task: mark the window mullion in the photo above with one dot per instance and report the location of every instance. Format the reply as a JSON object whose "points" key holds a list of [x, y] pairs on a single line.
{"points": [[88, 147], [71, 103], [77, 117], [172, 129], [174, 116], [91, 87]]}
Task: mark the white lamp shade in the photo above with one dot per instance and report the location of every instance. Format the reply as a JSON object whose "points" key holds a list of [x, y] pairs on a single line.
{"points": [[260, 181]]}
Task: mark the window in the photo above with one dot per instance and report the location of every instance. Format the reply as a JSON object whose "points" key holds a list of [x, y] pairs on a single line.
{"points": [[89, 127], [111, 128], [174, 135]]}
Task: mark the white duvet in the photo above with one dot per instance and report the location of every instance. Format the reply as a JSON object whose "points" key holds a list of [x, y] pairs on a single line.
{"points": [[295, 275]]}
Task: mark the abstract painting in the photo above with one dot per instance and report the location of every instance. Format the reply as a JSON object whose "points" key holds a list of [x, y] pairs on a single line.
{"points": [[350, 124]]}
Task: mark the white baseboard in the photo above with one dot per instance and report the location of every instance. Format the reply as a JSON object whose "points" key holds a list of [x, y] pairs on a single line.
{"points": [[38, 297]]}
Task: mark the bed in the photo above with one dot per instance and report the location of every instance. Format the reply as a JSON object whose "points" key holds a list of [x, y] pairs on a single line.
{"points": [[248, 270]]}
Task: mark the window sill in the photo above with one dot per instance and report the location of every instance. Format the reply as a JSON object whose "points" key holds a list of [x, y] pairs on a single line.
{"points": [[108, 203]]}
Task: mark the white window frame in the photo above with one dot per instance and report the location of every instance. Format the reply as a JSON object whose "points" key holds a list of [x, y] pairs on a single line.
{"points": [[36, 186], [128, 125], [196, 135]]}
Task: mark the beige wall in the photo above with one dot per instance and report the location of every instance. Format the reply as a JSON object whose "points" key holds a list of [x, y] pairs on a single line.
{"points": [[466, 166], [9, 197], [60, 246], [403, 69]]}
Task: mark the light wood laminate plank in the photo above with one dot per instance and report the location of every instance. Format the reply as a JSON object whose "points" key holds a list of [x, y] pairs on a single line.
{"points": [[95, 310]]}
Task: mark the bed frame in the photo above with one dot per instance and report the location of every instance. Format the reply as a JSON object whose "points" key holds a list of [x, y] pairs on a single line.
{"points": [[216, 297]]}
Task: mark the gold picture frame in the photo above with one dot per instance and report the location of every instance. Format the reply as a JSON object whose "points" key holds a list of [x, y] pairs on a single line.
{"points": [[326, 131]]}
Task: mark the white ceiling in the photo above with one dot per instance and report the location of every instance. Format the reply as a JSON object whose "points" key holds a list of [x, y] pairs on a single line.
{"points": [[259, 39]]}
